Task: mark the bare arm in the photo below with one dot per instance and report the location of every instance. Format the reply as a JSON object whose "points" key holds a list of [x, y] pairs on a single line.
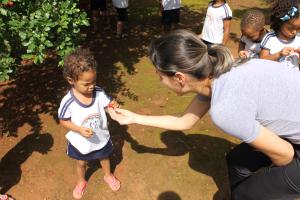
{"points": [[226, 27], [278, 150], [265, 53], [192, 114]]}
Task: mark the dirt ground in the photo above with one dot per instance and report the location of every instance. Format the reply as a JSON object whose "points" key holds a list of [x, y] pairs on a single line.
{"points": [[152, 164]]}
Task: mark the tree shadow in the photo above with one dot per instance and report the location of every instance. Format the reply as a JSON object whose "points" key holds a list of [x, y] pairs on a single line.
{"points": [[10, 164], [118, 135], [206, 155], [169, 195]]}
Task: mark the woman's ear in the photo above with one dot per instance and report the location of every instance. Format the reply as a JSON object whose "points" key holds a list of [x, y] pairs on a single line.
{"points": [[180, 78]]}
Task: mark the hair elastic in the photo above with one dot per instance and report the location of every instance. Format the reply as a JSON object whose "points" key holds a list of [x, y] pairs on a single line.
{"points": [[291, 13]]}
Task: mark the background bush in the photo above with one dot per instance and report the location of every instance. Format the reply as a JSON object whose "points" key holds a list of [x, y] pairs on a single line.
{"points": [[29, 29]]}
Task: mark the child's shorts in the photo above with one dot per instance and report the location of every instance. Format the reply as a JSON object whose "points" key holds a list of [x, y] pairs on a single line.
{"points": [[98, 4], [170, 16], [100, 154], [122, 14]]}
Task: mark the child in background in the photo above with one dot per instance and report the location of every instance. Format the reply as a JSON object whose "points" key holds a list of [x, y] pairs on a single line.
{"points": [[253, 31], [216, 26], [121, 7], [82, 111], [170, 14], [283, 43], [97, 5]]}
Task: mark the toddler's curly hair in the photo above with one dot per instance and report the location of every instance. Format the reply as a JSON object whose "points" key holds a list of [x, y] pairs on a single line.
{"points": [[281, 8], [77, 62], [254, 19]]}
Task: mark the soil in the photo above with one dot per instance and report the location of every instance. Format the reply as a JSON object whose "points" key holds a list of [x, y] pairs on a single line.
{"points": [[151, 163]]}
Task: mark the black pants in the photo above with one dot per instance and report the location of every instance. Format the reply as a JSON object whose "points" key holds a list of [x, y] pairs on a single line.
{"points": [[252, 176]]}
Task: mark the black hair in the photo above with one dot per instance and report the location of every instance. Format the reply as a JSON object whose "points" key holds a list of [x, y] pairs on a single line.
{"points": [[253, 18], [183, 51], [77, 62], [282, 11]]}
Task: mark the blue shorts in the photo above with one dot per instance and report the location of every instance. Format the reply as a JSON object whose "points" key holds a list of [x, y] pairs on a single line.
{"points": [[100, 154]]}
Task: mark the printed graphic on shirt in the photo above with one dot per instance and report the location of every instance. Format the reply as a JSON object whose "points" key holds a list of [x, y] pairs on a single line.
{"points": [[93, 122]]}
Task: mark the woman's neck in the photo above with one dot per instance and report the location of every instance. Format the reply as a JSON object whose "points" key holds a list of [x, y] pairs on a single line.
{"points": [[203, 87]]}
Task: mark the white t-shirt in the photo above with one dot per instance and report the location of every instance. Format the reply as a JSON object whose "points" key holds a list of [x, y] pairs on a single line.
{"points": [[90, 116], [171, 4], [253, 48], [120, 3], [213, 28], [274, 44]]}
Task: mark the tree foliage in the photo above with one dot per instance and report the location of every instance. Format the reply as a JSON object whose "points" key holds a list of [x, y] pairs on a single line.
{"points": [[30, 28]]}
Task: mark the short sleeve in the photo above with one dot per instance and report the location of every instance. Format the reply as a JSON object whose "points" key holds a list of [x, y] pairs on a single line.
{"points": [[227, 13], [104, 99], [203, 98], [237, 118], [64, 112], [266, 43]]}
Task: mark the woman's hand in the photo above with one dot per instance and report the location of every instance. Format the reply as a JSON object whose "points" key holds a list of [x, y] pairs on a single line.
{"points": [[122, 116]]}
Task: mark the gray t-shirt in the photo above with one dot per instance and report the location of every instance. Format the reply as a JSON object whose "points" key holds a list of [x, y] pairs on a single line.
{"points": [[258, 92]]}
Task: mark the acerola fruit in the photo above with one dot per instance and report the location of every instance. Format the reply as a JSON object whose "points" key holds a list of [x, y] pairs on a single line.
{"points": [[10, 4]]}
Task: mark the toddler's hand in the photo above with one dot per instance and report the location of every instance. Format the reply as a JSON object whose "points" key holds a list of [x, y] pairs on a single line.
{"points": [[86, 132], [286, 51], [243, 54], [113, 104]]}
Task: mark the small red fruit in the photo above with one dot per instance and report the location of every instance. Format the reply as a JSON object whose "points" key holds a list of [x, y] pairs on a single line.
{"points": [[10, 4]]}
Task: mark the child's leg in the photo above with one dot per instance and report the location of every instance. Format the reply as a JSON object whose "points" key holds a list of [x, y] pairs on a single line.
{"points": [[105, 163], [104, 14], [81, 169], [122, 18]]}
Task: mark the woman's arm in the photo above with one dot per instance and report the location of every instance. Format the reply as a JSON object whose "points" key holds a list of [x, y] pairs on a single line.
{"points": [[277, 149], [192, 114], [226, 28]]}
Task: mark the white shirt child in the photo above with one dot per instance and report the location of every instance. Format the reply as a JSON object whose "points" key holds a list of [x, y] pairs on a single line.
{"points": [[274, 44], [213, 28], [253, 48], [90, 116], [120, 3], [171, 4]]}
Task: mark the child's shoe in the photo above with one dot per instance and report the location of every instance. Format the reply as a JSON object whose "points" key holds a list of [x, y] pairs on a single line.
{"points": [[79, 190], [113, 182]]}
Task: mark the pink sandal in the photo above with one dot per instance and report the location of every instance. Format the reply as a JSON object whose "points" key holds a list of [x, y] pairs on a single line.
{"points": [[113, 182], [79, 190], [5, 197]]}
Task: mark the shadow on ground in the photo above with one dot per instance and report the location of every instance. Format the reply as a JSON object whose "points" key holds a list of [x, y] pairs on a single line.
{"points": [[10, 164], [206, 154]]}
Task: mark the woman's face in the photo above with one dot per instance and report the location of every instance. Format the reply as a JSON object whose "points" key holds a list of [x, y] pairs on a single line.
{"points": [[172, 82]]}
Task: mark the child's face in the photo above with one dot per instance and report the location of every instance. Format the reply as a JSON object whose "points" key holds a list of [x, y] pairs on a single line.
{"points": [[253, 34], [86, 82], [289, 29]]}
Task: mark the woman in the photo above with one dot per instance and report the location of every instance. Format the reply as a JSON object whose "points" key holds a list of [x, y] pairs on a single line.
{"points": [[256, 101]]}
